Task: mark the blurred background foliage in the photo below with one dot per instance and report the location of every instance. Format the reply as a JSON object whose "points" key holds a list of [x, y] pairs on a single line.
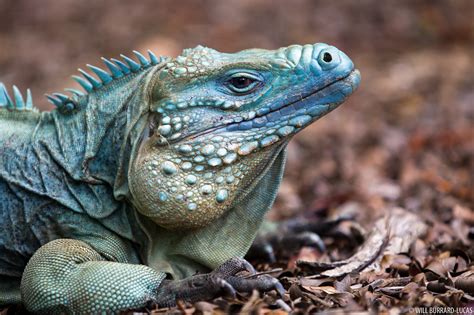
{"points": [[405, 138]]}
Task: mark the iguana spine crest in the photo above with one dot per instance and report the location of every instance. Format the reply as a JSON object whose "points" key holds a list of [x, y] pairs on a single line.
{"points": [[89, 83], [117, 69], [17, 103]]}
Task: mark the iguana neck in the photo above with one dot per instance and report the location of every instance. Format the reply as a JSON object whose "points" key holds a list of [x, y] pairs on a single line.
{"points": [[94, 143]]}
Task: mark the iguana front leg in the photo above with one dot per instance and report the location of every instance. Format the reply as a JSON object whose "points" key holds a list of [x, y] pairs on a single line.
{"points": [[69, 276]]}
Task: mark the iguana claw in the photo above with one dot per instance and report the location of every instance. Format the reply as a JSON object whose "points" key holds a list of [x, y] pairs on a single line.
{"points": [[263, 283], [227, 289], [226, 280]]}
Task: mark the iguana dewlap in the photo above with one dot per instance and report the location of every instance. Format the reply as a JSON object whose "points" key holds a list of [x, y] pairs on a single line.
{"points": [[164, 166]]}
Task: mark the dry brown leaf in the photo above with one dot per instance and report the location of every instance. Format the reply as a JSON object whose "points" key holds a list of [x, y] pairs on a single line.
{"points": [[274, 312], [325, 289], [465, 283], [309, 282], [405, 228], [253, 304], [464, 213], [442, 265], [392, 235], [344, 285], [205, 307], [368, 252]]}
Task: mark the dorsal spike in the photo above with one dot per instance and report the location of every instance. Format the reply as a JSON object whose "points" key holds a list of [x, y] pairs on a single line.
{"points": [[143, 61], [95, 83], [10, 104], [103, 75], [74, 91], [85, 84], [116, 72], [153, 59], [61, 97], [29, 100], [131, 64], [56, 102], [98, 77], [3, 96], [122, 66], [19, 102]]}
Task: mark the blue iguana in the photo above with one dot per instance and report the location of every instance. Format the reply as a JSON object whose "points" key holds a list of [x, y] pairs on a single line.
{"points": [[162, 168]]}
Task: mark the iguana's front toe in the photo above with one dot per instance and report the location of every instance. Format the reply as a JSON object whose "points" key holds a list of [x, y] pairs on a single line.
{"points": [[235, 275], [234, 266], [263, 283]]}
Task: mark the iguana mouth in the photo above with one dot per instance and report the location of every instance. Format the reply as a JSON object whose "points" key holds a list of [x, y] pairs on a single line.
{"points": [[269, 117]]}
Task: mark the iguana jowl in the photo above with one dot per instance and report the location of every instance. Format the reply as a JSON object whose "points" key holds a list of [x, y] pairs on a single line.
{"points": [[163, 167]]}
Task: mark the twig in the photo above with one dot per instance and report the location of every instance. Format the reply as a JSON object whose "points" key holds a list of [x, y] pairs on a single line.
{"points": [[276, 270]]}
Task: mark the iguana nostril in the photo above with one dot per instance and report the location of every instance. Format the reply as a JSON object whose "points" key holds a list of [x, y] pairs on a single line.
{"points": [[327, 57]]}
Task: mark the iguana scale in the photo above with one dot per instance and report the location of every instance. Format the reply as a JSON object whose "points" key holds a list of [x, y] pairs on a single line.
{"points": [[163, 168]]}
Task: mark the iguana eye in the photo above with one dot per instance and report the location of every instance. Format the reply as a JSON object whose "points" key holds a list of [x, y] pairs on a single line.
{"points": [[242, 83]]}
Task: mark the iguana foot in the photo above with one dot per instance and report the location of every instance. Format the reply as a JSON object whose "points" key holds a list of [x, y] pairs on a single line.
{"points": [[265, 249], [235, 275]]}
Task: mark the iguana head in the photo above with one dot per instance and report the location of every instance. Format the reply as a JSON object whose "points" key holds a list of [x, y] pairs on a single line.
{"points": [[220, 119]]}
